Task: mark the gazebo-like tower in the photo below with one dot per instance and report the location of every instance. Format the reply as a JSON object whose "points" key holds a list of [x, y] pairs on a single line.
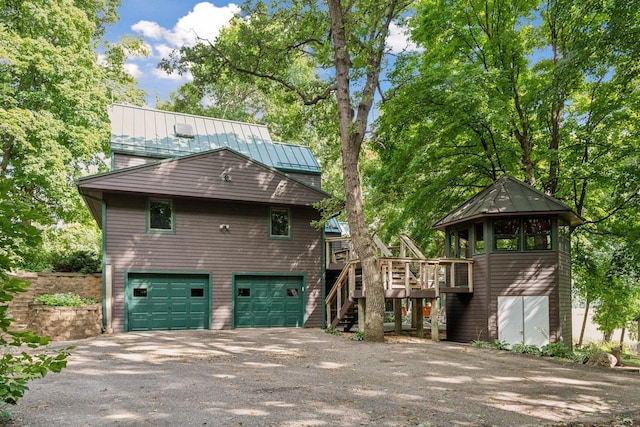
{"points": [[518, 239]]}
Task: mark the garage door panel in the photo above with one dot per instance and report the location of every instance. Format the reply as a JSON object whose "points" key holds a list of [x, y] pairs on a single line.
{"points": [[167, 301], [268, 301]]}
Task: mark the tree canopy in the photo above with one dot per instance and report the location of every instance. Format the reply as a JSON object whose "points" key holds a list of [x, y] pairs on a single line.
{"points": [[315, 53], [54, 93], [543, 90]]}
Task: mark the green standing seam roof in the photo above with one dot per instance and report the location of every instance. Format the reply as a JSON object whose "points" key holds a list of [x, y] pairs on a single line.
{"points": [[508, 196], [148, 132]]}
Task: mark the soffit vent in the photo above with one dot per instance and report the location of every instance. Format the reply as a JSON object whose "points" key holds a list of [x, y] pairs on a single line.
{"points": [[184, 130]]}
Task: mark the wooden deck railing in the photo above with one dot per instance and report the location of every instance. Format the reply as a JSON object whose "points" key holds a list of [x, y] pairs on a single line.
{"points": [[400, 273]]}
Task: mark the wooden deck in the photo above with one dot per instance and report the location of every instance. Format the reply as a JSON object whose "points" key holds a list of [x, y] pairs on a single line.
{"points": [[406, 273]]}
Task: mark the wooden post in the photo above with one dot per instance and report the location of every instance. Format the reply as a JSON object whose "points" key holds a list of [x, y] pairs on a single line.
{"points": [[362, 306], [108, 305], [328, 256], [417, 306], [414, 313], [397, 309], [435, 329]]}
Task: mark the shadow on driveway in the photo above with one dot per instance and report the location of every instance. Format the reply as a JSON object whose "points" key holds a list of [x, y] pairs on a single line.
{"points": [[305, 377]]}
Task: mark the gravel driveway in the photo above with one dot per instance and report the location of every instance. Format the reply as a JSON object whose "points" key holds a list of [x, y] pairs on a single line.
{"points": [[305, 377]]}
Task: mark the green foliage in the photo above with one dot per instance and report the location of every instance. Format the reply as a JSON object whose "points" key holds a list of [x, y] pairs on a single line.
{"points": [[514, 94], [54, 94], [500, 345], [64, 300], [60, 242], [332, 331], [526, 349], [607, 276], [23, 358], [481, 344], [555, 349], [77, 262], [357, 335], [583, 354]]}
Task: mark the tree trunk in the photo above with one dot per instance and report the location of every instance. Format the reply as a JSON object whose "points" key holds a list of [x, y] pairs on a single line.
{"points": [[351, 137], [584, 323]]}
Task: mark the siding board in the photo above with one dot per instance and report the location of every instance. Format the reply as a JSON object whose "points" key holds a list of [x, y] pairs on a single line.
{"points": [[203, 176], [524, 274], [467, 313], [198, 245]]}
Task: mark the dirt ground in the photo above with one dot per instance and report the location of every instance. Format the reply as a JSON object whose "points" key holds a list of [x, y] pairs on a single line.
{"points": [[306, 377]]}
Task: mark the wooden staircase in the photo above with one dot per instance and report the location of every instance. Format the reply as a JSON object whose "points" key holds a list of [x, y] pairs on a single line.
{"points": [[405, 271]]}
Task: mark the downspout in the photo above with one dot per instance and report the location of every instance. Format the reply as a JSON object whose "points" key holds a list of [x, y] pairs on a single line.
{"points": [[107, 273], [323, 282]]}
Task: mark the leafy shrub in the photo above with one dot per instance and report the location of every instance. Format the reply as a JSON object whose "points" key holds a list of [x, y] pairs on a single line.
{"points": [[333, 331], [583, 354], [556, 349], [500, 345], [357, 336], [64, 300], [480, 344], [525, 349], [76, 262]]}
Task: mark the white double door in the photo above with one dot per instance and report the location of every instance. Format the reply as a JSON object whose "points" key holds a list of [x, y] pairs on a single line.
{"points": [[524, 319]]}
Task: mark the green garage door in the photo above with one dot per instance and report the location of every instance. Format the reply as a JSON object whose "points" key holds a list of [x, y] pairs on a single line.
{"points": [[268, 301], [167, 301]]}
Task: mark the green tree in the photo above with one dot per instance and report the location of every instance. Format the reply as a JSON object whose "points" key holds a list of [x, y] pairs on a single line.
{"points": [[543, 90], [540, 90], [319, 52], [17, 365], [54, 93]]}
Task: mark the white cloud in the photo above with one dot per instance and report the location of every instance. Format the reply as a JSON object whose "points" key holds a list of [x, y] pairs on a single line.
{"points": [[133, 69], [398, 40], [149, 29], [163, 50], [204, 21]]}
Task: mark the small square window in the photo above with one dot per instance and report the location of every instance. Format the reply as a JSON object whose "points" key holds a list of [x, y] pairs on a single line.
{"points": [[244, 292], [280, 223], [197, 292], [506, 235], [292, 292], [538, 234], [160, 216], [140, 292]]}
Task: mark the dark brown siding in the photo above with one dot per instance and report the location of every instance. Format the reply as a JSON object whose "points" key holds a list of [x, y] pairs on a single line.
{"points": [[198, 245], [523, 274], [204, 175], [121, 161], [467, 313], [564, 297], [313, 180]]}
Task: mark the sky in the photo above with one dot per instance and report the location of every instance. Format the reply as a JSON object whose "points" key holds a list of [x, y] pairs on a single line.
{"points": [[165, 25]]}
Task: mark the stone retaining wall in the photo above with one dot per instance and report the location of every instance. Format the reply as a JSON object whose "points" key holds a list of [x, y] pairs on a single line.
{"points": [[65, 323], [84, 285]]}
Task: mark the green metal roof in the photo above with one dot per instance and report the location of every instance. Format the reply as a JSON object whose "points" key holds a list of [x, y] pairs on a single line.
{"points": [[155, 133], [508, 196]]}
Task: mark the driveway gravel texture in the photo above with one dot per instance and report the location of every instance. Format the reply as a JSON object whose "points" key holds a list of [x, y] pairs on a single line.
{"points": [[306, 377]]}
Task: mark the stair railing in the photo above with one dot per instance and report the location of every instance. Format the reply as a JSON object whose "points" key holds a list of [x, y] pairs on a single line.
{"points": [[342, 291]]}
